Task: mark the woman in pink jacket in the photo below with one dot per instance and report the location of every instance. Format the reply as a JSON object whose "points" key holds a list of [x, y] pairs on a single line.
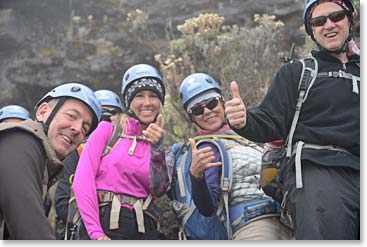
{"points": [[115, 193]]}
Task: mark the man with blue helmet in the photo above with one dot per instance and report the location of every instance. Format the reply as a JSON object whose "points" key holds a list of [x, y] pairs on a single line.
{"points": [[321, 172], [13, 113], [31, 154]]}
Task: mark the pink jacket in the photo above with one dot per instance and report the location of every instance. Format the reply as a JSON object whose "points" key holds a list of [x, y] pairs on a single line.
{"points": [[137, 175]]}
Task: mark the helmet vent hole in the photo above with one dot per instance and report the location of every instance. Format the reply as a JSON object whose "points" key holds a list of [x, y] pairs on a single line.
{"points": [[75, 89]]}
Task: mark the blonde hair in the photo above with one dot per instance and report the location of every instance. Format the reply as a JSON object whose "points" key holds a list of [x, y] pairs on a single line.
{"points": [[123, 122]]}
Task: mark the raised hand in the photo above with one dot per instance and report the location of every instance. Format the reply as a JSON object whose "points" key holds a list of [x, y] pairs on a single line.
{"points": [[235, 109], [201, 160], [154, 132]]}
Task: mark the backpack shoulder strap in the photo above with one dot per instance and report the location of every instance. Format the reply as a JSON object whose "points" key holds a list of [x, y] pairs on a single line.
{"points": [[114, 137], [226, 178], [307, 79]]}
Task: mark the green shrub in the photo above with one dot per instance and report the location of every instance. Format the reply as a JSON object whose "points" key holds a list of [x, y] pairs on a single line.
{"points": [[249, 55]]}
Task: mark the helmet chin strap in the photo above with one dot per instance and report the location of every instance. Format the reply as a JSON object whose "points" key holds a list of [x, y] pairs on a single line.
{"points": [[342, 49], [46, 125]]}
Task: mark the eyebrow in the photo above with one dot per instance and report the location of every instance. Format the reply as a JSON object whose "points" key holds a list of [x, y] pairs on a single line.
{"points": [[75, 111], [80, 114]]}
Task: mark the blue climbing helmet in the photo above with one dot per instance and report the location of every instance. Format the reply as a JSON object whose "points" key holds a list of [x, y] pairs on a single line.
{"points": [[133, 75], [197, 87], [108, 98], [77, 91], [347, 5], [14, 111]]}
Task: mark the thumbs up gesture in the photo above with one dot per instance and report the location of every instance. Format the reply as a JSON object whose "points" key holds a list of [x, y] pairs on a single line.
{"points": [[154, 132], [235, 109], [201, 160]]}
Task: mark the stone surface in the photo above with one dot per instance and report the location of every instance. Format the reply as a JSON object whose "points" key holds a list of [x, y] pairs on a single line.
{"points": [[34, 52]]}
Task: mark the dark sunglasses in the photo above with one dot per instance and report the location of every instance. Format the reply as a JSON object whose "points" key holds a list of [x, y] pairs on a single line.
{"points": [[334, 17], [111, 112], [211, 104]]}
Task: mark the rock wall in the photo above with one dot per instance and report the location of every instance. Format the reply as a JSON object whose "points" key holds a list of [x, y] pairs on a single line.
{"points": [[35, 54]]}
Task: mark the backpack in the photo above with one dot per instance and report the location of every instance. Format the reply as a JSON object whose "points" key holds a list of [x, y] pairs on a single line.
{"points": [[192, 224], [276, 157], [277, 153]]}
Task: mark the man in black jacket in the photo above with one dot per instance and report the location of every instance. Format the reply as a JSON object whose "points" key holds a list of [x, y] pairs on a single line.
{"points": [[327, 204], [31, 154]]}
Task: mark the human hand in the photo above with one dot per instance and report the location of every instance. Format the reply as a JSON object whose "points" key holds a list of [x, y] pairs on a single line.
{"points": [[235, 109], [104, 238], [154, 132], [201, 160]]}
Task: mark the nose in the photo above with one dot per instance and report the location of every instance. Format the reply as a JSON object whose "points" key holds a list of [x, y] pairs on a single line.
{"points": [[206, 110], [77, 126], [329, 23], [147, 100]]}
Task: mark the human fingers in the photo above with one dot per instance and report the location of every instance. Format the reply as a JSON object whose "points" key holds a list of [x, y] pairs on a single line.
{"points": [[160, 121], [235, 90], [193, 144]]}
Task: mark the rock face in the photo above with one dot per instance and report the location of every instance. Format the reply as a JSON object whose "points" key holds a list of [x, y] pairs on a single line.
{"points": [[36, 55], [40, 48]]}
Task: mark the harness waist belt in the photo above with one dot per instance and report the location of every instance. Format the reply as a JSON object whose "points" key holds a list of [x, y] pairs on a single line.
{"points": [[139, 205], [297, 150], [241, 214], [106, 196]]}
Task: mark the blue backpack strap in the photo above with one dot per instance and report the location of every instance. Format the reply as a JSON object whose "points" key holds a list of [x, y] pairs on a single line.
{"points": [[226, 178], [183, 153]]}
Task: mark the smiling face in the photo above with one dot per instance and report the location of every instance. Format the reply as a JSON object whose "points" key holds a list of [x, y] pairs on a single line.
{"points": [[210, 119], [146, 106], [331, 35], [68, 127]]}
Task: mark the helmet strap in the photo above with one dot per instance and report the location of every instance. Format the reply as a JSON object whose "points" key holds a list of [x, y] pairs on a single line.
{"points": [[342, 49], [46, 125]]}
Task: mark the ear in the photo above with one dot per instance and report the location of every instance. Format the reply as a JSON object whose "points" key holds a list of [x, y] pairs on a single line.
{"points": [[43, 111]]}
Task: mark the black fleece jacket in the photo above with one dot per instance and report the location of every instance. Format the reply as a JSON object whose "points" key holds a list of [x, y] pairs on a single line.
{"points": [[329, 116]]}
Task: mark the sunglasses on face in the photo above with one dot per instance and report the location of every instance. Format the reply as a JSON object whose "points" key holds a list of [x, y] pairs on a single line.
{"points": [[211, 104], [108, 111], [334, 17]]}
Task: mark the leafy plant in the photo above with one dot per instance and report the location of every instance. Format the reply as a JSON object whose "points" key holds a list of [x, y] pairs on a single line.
{"points": [[249, 55]]}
